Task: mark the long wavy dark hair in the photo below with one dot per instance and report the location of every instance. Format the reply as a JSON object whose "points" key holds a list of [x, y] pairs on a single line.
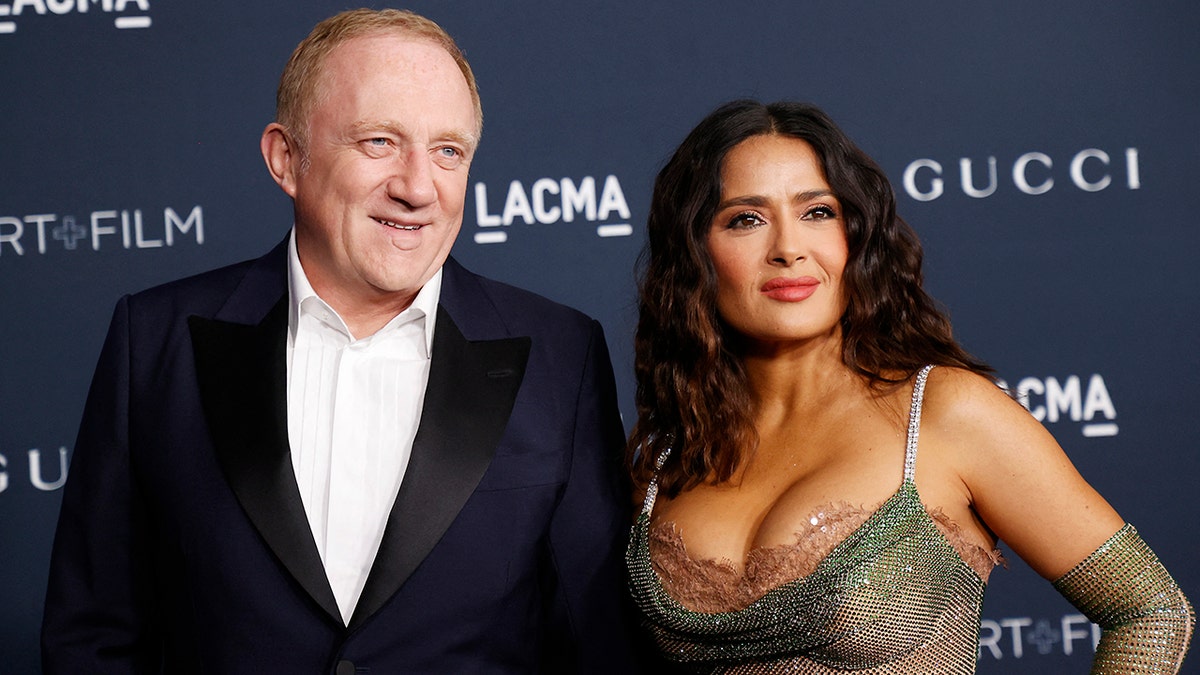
{"points": [[692, 393]]}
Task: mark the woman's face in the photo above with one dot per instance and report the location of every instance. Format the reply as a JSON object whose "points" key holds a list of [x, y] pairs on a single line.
{"points": [[778, 243]]}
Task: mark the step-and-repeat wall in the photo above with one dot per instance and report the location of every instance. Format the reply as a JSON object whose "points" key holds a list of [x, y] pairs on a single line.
{"points": [[1046, 153]]}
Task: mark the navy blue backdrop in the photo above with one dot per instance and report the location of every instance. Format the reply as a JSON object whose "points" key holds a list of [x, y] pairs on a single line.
{"points": [[1046, 154]]}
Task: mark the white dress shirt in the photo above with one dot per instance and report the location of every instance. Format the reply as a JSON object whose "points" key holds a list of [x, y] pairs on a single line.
{"points": [[353, 409]]}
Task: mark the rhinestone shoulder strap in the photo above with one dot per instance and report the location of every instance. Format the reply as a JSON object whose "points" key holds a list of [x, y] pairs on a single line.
{"points": [[914, 424], [652, 488]]}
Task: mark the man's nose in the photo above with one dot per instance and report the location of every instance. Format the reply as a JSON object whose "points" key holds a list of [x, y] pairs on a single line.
{"points": [[412, 180]]}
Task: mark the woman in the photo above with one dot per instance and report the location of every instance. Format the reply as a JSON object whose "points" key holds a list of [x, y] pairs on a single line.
{"points": [[783, 360]]}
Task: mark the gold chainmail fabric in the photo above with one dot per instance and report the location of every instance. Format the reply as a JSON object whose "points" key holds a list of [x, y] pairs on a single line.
{"points": [[1122, 587]]}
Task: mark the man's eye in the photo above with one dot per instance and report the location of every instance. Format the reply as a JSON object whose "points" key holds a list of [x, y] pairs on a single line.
{"points": [[449, 157], [377, 142]]}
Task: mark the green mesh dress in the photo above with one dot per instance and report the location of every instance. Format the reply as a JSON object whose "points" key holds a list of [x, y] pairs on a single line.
{"points": [[886, 592], [893, 597]]}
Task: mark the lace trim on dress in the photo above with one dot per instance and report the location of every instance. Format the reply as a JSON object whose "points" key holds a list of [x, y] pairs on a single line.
{"points": [[715, 585]]}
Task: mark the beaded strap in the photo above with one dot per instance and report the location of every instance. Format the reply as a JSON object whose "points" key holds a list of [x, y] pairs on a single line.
{"points": [[652, 488], [1147, 622], [914, 424]]}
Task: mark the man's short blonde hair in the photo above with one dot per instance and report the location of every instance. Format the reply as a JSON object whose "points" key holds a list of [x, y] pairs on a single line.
{"points": [[299, 89]]}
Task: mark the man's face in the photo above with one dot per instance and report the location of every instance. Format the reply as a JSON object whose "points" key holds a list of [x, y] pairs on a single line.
{"points": [[380, 199]]}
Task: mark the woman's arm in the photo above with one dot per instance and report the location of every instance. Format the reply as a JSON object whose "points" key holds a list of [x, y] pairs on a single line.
{"points": [[1146, 621], [1026, 491]]}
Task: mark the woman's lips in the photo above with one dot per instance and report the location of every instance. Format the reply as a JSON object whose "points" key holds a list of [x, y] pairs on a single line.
{"points": [[789, 289]]}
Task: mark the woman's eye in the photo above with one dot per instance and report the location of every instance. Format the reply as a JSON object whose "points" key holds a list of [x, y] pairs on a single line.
{"points": [[820, 213], [744, 221]]}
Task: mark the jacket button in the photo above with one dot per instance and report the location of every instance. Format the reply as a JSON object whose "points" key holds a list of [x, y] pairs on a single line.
{"points": [[344, 668]]}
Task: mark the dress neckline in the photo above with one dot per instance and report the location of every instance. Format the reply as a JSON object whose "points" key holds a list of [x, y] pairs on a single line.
{"points": [[905, 494]]}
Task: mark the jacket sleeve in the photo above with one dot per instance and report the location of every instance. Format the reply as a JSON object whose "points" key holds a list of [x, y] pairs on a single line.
{"points": [[591, 609], [1146, 622], [96, 613]]}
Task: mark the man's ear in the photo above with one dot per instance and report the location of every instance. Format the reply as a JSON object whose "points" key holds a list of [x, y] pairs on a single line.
{"points": [[282, 156]]}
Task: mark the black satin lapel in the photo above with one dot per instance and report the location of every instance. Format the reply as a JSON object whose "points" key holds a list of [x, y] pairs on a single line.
{"points": [[470, 395], [242, 371]]}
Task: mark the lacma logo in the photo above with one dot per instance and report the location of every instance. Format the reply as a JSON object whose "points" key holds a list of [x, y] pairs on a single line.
{"points": [[1051, 400], [127, 228], [548, 201], [19, 8]]}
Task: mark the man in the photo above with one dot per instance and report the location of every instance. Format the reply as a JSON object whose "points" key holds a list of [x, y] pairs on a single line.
{"points": [[351, 454]]}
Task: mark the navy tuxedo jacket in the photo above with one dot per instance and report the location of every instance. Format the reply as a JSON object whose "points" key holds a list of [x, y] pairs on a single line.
{"points": [[183, 546]]}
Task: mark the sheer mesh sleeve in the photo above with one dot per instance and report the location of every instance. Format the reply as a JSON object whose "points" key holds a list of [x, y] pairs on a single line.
{"points": [[1146, 620]]}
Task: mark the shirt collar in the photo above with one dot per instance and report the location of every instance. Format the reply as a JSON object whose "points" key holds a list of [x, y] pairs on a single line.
{"points": [[424, 306]]}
